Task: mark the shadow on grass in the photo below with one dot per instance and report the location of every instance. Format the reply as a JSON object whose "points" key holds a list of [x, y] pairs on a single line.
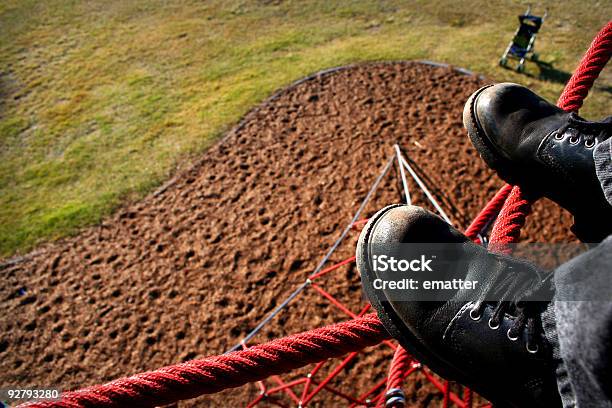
{"points": [[546, 72], [551, 74], [4, 92]]}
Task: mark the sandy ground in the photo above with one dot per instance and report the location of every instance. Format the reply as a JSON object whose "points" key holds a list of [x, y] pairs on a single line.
{"points": [[189, 270]]}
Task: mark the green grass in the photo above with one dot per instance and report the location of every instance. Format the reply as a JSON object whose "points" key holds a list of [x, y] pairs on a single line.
{"points": [[101, 100]]}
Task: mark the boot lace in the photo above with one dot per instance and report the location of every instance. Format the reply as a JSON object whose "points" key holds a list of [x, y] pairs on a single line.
{"points": [[580, 129], [524, 294]]}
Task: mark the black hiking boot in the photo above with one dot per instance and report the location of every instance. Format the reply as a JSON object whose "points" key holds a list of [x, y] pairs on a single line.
{"points": [[547, 151], [489, 338]]}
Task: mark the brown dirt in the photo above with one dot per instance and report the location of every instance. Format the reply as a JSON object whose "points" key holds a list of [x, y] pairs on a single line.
{"points": [[188, 271]]}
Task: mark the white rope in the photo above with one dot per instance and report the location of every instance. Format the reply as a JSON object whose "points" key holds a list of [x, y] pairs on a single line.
{"points": [[398, 153], [426, 191]]}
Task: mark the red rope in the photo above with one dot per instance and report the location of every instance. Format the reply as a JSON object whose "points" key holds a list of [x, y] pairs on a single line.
{"points": [[213, 374], [400, 364], [507, 227], [488, 213], [593, 62], [468, 397]]}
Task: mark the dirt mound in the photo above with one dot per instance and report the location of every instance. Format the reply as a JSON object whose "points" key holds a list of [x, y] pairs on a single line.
{"points": [[188, 271]]}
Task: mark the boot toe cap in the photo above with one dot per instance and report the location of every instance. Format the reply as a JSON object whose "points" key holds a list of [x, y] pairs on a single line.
{"points": [[403, 224], [407, 224], [494, 104]]}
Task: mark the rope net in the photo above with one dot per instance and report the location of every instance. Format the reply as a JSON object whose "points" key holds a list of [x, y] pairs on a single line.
{"points": [[507, 211]]}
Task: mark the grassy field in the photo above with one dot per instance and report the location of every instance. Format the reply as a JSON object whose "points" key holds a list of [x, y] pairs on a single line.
{"points": [[101, 100]]}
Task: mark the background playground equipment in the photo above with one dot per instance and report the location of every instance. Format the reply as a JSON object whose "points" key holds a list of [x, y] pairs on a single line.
{"points": [[212, 374], [522, 46]]}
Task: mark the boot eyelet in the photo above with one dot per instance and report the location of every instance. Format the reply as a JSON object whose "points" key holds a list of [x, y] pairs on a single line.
{"points": [[574, 140], [472, 314], [558, 136], [589, 143], [510, 337], [532, 350], [491, 325]]}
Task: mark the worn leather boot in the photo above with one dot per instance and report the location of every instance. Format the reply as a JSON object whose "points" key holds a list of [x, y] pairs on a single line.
{"points": [[488, 337], [547, 151]]}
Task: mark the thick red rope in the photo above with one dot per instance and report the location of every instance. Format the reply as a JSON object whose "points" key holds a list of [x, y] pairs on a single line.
{"points": [[593, 62], [213, 374], [488, 213], [400, 363], [402, 360], [510, 221]]}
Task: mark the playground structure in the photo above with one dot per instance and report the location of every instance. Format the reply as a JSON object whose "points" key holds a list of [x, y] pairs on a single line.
{"points": [[522, 46], [508, 208]]}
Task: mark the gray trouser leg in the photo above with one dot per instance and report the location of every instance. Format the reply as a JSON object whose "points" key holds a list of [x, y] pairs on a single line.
{"points": [[603, 167], [580, 328]]}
